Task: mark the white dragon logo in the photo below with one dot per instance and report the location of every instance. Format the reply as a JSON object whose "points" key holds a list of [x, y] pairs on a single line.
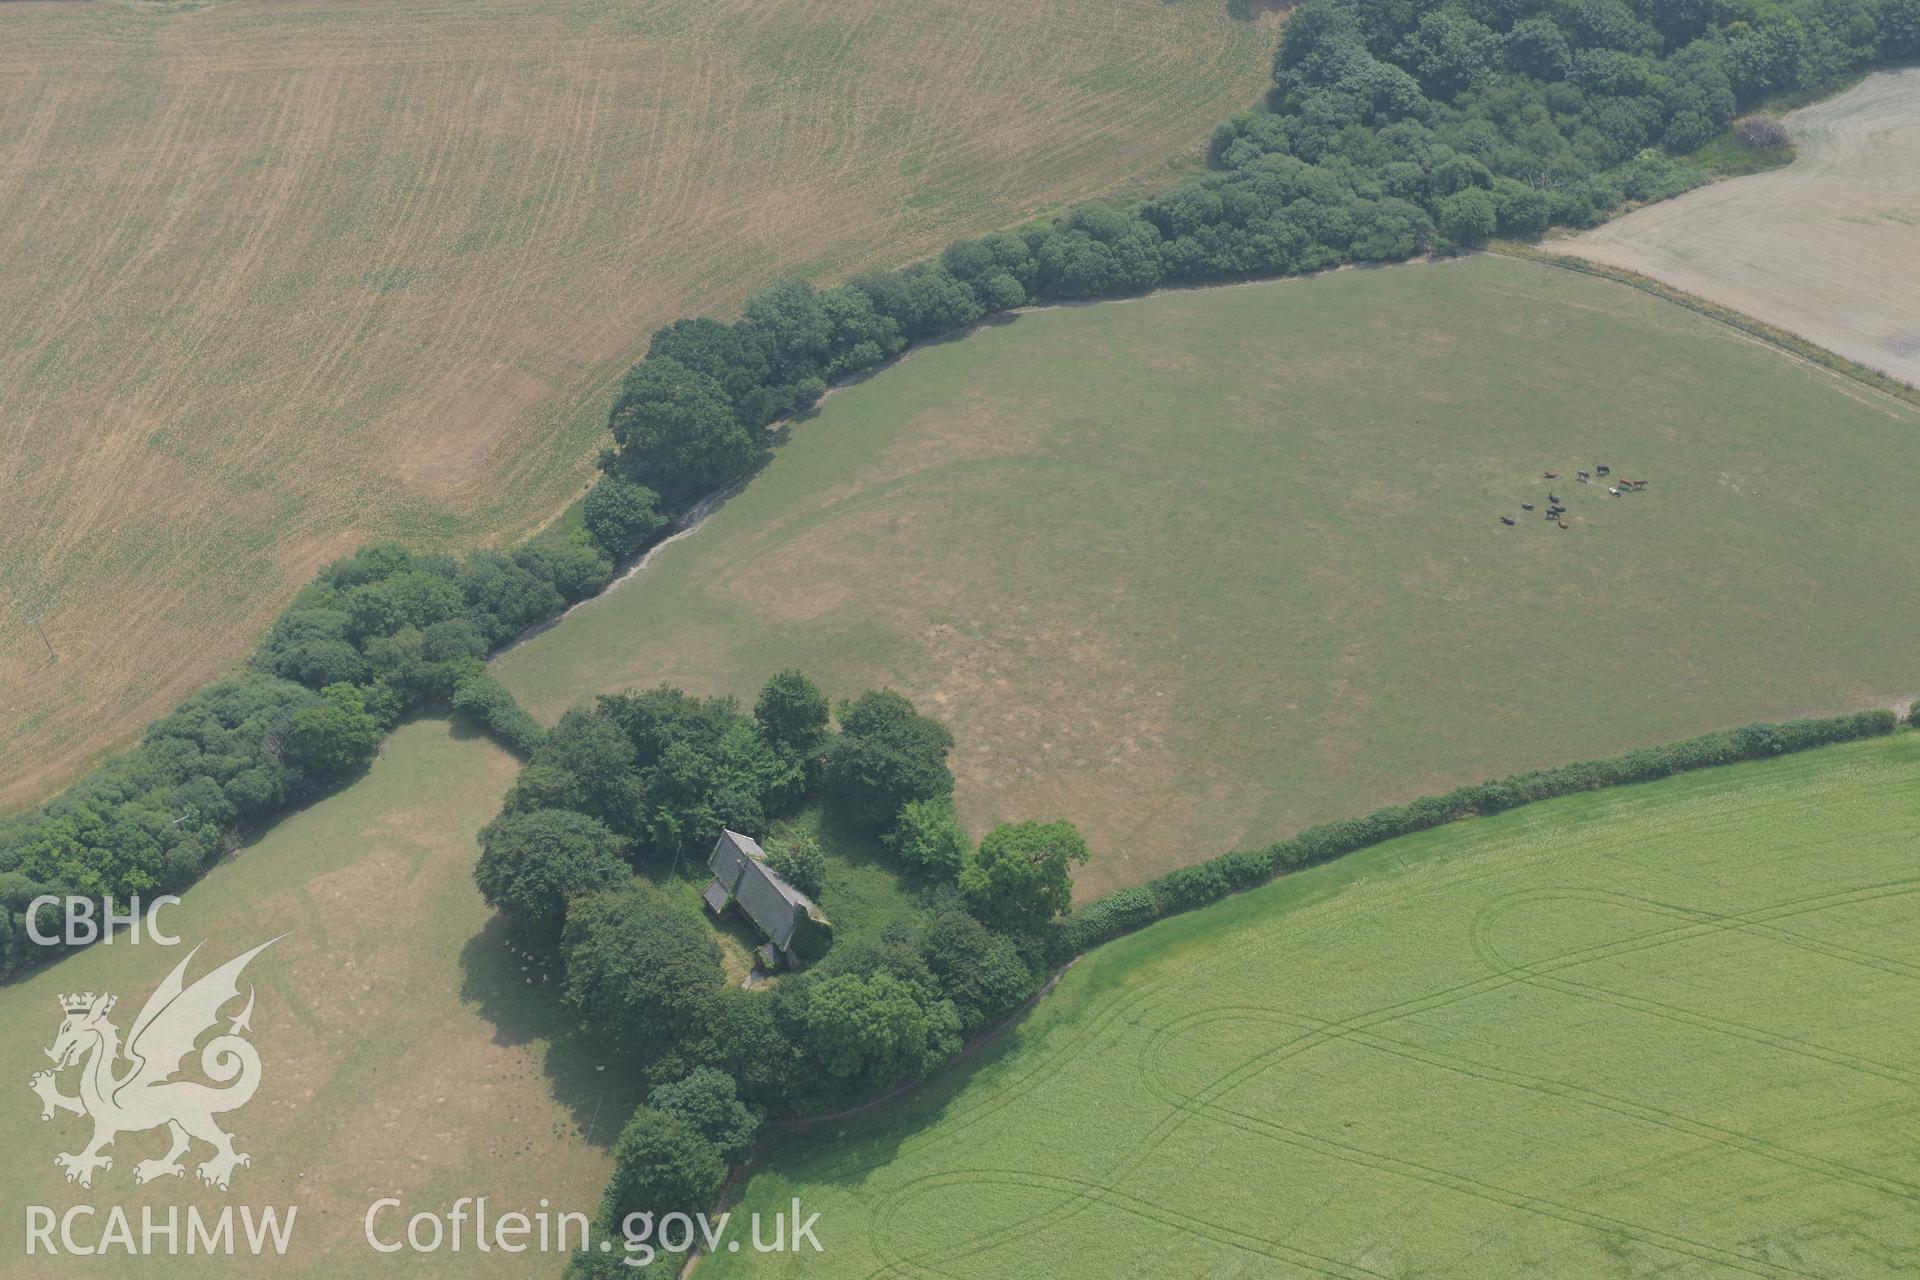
{"points": [[145, 1095]]}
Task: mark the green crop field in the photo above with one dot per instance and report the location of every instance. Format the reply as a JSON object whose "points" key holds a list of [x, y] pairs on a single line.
{"points": [[1198, 570], [1663, 1030], [284, 278], [405, 1051]]}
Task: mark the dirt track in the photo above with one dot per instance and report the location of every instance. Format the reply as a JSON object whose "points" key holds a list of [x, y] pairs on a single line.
{"points": [[1828, 248]]}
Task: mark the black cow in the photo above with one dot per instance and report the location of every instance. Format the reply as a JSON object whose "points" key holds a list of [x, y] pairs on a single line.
{"points": [[1605, 471], [1551, 498], [1526, 506], [1506, 519]]}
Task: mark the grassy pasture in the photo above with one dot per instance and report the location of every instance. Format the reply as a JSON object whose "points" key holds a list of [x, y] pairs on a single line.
{"points": [[1198, 570], [404, 1051], [1827, 247], [1662, 1030], [282, 278]]}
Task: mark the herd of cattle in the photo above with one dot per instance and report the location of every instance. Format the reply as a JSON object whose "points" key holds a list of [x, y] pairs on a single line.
{"points": [[1557, 510]]}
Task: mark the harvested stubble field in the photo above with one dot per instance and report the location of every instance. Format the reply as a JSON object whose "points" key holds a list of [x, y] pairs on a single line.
{"points": [[282, 278], [405, 1052], [1662, 1030], [1198, 570], [1827, 248]]}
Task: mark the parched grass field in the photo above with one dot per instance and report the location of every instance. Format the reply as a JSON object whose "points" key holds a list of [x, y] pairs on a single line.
{"points": [[1667, 1030], [282, 278], [1828, 247], [1198, 570], [405, 1052]]}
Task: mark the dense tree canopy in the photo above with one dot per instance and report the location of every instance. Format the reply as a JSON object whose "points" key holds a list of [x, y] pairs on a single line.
{"points": [[886, 757], [621, 516], [708, 1099], [150, 820], [981, 971], [532, 863], [879, 1030], [638, 968], [801, 863], [661, 1165], [928, 836], [1021, 876], [677, 432], [334, 736], [792, 714]]}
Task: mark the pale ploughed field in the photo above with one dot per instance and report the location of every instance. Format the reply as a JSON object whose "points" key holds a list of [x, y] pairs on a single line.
{"points": [[1827, 248]]}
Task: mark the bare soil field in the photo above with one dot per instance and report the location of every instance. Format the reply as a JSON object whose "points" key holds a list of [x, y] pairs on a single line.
{"points": [[1828, 247], [280, 279]]}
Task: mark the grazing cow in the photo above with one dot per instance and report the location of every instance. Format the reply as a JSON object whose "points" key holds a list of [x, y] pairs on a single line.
{"points": [[1615, 492], [1605, 471], [1526, 506], [1636, 484], [1506, 520], [1552, 498], [1563, 524], [1583, 477], [1553, 475]]}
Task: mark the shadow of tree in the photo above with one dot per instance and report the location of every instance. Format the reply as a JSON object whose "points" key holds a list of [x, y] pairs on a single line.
{"points": [[868, 1136], [599, 1086]]}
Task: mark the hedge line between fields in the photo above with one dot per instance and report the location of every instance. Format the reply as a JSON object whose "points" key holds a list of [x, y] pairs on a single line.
{"points": [[1386, 134], [1785, 339], [1189, 888]]}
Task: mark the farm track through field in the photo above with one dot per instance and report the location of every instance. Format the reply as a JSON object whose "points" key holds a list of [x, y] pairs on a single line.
{"points": [[1238, 1073], [956, 1120], [1208, 1101]]}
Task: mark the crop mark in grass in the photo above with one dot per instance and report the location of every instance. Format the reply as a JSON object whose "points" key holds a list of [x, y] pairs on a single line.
{"points": [[1218, 1232], [474, 270], [1506, 975], [1048, 1068], [1695, 924], [898, 1263], [1533, 1205], [1656, 1172], [1203, 1102], [930, 198], [1206, 1105], [1541, 974], [1752, 922], [390, 279], [1157, 1082]]}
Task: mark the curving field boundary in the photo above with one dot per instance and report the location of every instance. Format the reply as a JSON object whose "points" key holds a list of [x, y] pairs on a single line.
{"points": [[1236, 1055], [1826, 248], [893, 1231]]}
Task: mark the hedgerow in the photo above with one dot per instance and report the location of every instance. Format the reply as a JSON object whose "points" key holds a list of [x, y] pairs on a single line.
{"points": [[1190, 887], [1391, 130]]}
